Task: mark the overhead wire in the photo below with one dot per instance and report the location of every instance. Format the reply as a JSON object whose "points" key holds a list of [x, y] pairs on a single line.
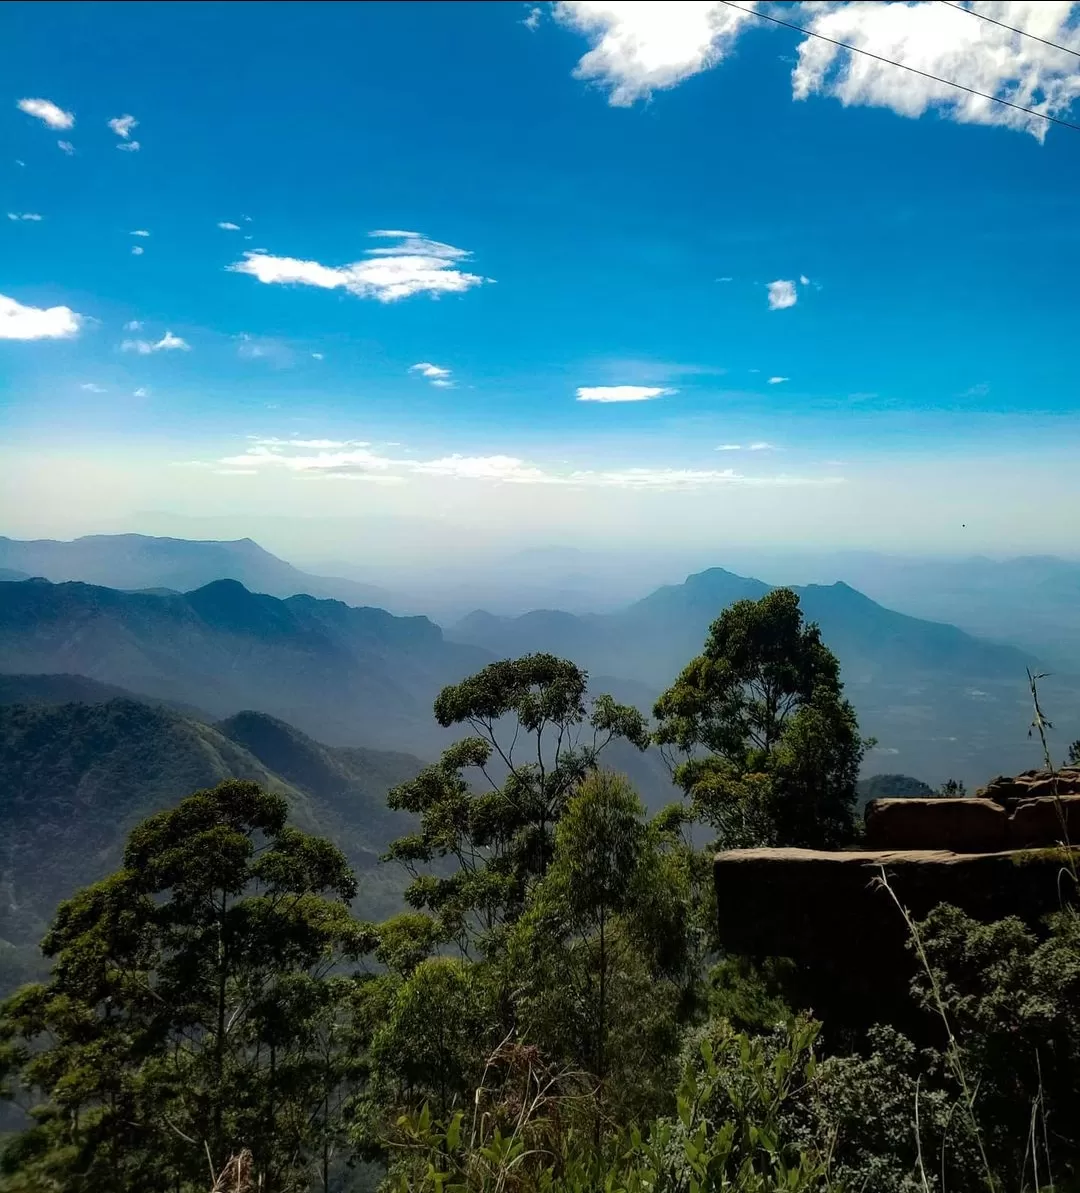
{"points": [[1008, 103], [1011, 28]]}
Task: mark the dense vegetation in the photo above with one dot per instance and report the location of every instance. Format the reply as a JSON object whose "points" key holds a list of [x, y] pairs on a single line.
{"points": [[78, 777], [552, 1011]]}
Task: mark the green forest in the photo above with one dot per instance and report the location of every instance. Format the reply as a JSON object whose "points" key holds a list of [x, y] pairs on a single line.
{"points": [[553, 1010]]}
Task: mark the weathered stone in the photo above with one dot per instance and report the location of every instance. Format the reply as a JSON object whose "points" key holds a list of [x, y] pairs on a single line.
{"points": [[1006, 789], [1042, 822], [831, 913], [960, 825]]}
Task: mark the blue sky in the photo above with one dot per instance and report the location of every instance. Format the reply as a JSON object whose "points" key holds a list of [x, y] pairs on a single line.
{"points": [[847, 318]]}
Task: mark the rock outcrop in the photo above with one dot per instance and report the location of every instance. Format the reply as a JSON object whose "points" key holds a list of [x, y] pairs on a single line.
{"points": [[833, 914], [1032, 784], [972, 825]]}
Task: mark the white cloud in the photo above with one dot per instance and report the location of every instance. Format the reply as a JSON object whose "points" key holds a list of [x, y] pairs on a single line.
{"points": [[122, 125], [19, 322], [226, 226], [167, 343], [317, 356], [438, 376], [44, 109], [778, 380], [355, 459], [140, 232], [730, 447], [937, 39], [92, 388], [32, 216], [133, 325], [803, 280], [66, 146], [761, 446], [782, 295], [641, 47], [19, 162], [137, 250], [622, 393], [638, 46], [532, 21], [725, 279], [141, 392], [130, 146], [415, 265]]}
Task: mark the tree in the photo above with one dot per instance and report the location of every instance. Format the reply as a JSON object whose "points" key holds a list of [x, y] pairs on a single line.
{"points": [[1073, 756], [602, 954], [191, 1009], [534, 741], [953, 789], [771, 747]]}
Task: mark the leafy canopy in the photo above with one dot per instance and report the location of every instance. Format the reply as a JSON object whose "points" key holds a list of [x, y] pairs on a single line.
{"points": [[771, 749], [535, 737]]}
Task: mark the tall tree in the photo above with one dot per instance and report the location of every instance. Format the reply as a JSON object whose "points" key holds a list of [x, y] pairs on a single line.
{"points": [[603, 951], [491, 803], [771, 748], [191, 1007]]}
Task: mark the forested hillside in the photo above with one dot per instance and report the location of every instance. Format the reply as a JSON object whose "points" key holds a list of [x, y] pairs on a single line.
{"points": [[78, 777]]}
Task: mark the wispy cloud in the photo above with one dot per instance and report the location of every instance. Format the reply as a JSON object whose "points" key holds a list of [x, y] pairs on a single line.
{"points": [[532, 21], [641, 46], [414, 265], [317, 356], [782, 294], [45, 110], [976, 391], [122, 125], [438, 376], [133, 325], [140, 232], [622, 393], [167, 343], [141, 392], [19, 322], [266, 348], [92, 388], [778, 380], [130, 146], [227, 226], [32, 216], [66, 146], [137, 250], [759, 445], [357, 460]]}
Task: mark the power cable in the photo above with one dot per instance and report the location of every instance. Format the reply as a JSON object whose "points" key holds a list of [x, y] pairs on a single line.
{"points": [[750, 12], [1011, 28]]}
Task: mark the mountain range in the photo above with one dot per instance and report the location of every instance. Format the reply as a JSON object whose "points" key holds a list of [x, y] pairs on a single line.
{"points": [[77, 777], [941, 701], [139, 561], [354, 676]]}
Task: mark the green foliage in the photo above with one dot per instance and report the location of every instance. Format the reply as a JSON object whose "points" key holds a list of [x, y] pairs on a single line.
{"points": [[1072, 758], [601, 959], [724, 1134], [190, 1007], [772, 749], [953, 789], [529, 718]]}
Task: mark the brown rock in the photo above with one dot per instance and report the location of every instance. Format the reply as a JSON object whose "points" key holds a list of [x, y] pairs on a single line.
{"points": [[1031, 784], [1043, 822], [961, 825], [831, 914]]}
